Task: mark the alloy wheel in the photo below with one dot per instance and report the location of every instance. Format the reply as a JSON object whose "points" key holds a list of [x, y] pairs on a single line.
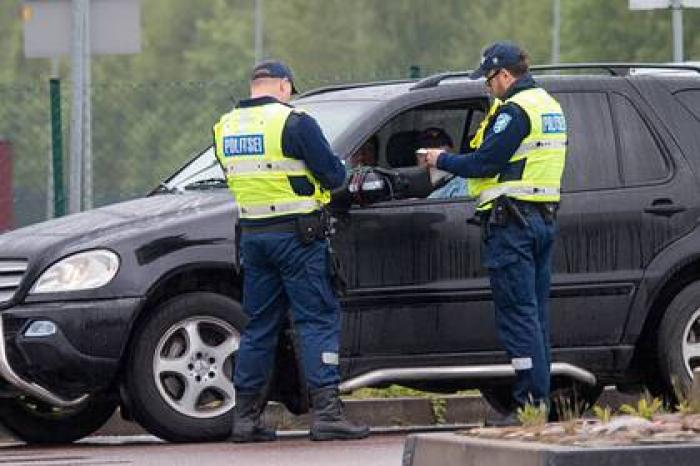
{"points": [[193, 366]]}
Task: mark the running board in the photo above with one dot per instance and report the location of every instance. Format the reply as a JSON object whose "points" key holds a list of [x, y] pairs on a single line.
{"points": [[456, 372]]}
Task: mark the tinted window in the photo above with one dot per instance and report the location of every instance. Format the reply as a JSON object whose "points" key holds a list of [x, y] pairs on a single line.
{"points": [[691, 101], [591, 156], [640, 155], [334, 117]]}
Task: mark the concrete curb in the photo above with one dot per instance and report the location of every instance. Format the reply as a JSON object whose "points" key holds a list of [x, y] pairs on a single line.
{"points": [[384, 412], [449, 449]]}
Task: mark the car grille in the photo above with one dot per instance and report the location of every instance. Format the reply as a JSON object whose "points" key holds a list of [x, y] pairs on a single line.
{"points": [[11, 273]]}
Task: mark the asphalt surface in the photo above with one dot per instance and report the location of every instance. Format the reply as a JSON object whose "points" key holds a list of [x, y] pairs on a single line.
{"points": [[377, 450]]}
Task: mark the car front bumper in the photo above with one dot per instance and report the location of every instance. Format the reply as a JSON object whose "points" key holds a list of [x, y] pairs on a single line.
{"points": [[80, 357]]}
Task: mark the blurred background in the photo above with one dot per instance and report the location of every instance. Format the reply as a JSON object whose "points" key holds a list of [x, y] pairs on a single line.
{"points": [[152, 111]]}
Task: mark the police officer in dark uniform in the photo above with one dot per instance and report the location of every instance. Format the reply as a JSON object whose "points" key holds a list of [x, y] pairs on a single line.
{"points": [[280, 168], [515, 172]]}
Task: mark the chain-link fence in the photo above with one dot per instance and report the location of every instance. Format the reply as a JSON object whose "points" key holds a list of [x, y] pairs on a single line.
{"points": [[141, 133]]}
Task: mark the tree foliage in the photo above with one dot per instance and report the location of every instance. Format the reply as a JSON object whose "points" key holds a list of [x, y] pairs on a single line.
{"points": [[153, 109]]}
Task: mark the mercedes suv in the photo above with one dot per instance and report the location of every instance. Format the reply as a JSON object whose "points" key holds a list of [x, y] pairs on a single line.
{"points": [[137, 305]]}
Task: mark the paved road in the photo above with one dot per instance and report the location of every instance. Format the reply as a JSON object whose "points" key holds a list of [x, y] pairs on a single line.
{"points": [[378, 450]]}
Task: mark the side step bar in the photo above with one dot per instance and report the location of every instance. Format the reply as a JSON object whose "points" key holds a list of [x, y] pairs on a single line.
{"points": [[30, 388], [456, 372]]}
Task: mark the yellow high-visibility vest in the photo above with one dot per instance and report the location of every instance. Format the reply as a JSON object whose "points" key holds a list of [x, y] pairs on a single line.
{"points": [[544, 151], [248, 143]]}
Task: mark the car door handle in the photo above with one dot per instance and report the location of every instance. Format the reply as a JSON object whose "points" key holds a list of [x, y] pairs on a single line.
{"points": [[665, 207]]}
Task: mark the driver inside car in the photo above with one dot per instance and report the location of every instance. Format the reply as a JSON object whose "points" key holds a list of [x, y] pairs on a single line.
{"points": [[445, 184]]}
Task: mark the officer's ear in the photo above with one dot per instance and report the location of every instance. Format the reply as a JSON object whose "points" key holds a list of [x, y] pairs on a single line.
{"points": [[285, 89]]}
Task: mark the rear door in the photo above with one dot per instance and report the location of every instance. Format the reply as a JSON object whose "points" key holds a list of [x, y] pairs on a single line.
{"points": [[625, 196]]}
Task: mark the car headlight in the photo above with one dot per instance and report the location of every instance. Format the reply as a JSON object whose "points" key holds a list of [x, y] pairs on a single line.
{"points": [[81, 271]]}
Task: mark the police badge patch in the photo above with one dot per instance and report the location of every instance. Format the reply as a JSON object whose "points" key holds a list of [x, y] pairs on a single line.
{"points": [[501, 122]]}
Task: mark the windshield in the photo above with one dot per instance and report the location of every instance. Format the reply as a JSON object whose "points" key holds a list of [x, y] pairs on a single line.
{"points": [[204, 171], [335, 116]]}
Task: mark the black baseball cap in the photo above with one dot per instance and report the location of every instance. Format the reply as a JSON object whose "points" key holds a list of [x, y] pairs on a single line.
{"points": [[273, 69], [497, 55]]}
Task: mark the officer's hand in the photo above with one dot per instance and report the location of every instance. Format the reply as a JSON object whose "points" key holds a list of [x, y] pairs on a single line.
{"points": [[431, 156]]}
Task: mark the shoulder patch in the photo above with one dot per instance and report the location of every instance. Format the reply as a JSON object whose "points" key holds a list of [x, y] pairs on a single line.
{"points": [[501, 122]]}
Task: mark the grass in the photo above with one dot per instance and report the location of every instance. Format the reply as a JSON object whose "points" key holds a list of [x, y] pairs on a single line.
{"points": [[532, 415], [438, 403], [399, 391]]}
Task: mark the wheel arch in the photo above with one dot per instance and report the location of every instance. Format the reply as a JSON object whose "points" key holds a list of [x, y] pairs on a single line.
{"points": [[211, 277], [679, 277]]}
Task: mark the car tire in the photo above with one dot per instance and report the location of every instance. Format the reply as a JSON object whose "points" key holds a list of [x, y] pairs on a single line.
{"points": [[39, 423], [180, 366], [678, 344]]}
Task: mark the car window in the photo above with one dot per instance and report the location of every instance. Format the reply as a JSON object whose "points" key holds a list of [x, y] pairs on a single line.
{"points": [[334, 117], [691, 100], [591, 154], [399, 137], [640, 155]]}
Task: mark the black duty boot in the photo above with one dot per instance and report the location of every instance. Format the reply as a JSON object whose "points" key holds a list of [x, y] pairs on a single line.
{"points": [[246, 420], [329, 421]]}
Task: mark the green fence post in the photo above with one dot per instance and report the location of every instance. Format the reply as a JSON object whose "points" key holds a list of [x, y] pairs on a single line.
{"points": [[414, 72], [59, 200]]}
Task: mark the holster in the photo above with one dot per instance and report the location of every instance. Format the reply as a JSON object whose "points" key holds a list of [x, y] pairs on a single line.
{"points": [[505, 210], [310, 228], [336, 272], [548, 210]]}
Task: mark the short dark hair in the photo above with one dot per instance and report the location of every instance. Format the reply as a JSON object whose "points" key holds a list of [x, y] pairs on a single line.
{"points": [[522, 67]]}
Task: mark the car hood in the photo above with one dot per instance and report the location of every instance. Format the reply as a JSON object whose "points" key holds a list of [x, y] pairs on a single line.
{"points": [[124, 218]]}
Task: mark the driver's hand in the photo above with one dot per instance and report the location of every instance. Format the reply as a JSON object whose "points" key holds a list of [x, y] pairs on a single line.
{"points": [[431, 156]]}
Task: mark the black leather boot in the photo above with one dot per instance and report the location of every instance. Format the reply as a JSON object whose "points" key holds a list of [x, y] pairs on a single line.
{"points": [[329, 421], [246, 420]]}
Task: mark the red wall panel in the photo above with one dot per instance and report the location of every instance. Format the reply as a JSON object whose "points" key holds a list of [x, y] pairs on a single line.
{"points": [[6, 211]]}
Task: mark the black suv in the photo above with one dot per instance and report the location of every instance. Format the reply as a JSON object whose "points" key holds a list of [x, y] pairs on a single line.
{"points": [[137, 304]]}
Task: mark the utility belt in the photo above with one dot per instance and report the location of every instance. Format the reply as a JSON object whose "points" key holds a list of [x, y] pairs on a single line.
{"points": [[506, 210], [309, 228]]}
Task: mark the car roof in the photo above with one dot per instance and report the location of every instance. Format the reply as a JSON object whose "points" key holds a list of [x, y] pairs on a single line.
{"points": [[387, 90]]}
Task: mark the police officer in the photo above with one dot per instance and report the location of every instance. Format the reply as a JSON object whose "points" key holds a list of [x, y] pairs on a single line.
{"points": [[280, 168], [515, 173]]}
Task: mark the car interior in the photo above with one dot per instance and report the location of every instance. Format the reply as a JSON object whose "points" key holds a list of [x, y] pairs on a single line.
{"points": [[398, 140]]}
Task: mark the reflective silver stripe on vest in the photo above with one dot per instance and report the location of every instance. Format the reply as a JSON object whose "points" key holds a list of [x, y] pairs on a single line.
{"points": [[489, 195], [280, 208], [253, 166], [544, 144]]}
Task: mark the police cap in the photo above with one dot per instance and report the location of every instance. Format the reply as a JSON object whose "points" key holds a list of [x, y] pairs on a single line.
{"points": [[273, 69], [497, 55]]}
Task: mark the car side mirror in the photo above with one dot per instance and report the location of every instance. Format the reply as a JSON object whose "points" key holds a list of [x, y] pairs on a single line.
{"points": [[367, 186]]}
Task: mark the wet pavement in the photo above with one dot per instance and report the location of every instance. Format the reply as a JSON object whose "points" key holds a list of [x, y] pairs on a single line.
{"points": [[377, 450]]}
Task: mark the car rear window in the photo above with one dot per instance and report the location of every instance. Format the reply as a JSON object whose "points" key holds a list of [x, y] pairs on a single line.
{"points": [[640, 155], [591, 154]]}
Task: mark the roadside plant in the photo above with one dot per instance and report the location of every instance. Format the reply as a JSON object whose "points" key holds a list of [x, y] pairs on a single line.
{"points": [[602, 414], [439, 408], [532, 415], [646, 408], [568, 411], [688, 402]]}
